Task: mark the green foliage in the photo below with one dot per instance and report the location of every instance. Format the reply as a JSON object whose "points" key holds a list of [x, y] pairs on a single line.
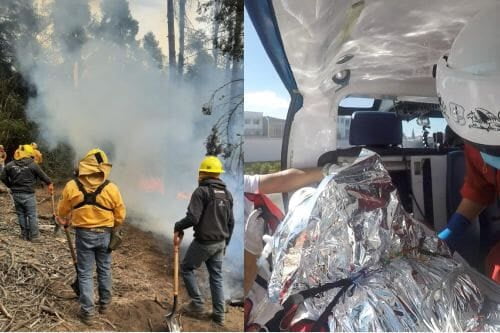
{"points": [[59, 162], [262, 168], [18, 25]]}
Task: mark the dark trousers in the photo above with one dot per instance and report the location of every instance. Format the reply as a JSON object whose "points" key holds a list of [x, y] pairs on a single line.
{"points": [[212, 255], [25, 204]]}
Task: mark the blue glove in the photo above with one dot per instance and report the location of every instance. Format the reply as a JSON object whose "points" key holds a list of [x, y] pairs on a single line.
{"points": [[454, 231]]}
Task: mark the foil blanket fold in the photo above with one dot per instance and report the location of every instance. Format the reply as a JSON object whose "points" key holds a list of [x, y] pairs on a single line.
{"points": [[394, 273]]}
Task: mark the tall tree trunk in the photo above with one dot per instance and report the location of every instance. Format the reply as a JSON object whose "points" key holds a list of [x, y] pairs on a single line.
{"points": [[182, 24], [171, 36], [229, 61], [236, 121], [236, 70], [215, 29]]}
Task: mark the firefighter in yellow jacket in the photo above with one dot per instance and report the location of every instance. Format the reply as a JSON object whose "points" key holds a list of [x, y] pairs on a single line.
{"points": [[96, 207]]}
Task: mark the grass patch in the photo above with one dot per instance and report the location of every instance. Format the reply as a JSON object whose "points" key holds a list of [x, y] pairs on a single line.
{"points": [[262, 168]]}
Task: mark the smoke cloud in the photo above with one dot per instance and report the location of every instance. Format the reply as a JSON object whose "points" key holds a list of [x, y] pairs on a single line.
{"points": [[96, 92]]}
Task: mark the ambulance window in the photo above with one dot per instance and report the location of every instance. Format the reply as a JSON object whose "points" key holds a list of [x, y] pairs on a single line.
{"points": [[413, 133], [344, 122], [357, 102]]}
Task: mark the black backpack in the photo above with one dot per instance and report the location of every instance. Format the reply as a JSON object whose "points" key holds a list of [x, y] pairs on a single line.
{"points": [[220, 196]]}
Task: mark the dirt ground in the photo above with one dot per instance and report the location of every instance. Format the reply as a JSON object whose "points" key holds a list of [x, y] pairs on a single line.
{"points": [[35, 282]]}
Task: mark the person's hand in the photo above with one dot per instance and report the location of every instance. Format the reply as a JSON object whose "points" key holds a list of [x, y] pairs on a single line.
{"points": [[454, 231], [62, 221], [178, 237], [50, 188]]}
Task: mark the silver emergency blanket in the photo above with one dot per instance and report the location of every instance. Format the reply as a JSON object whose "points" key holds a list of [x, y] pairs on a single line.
{"points": [[403, 278]]}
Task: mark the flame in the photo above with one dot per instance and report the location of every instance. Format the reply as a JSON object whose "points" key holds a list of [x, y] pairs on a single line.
{"points": [[183, 196], [152, 184]]}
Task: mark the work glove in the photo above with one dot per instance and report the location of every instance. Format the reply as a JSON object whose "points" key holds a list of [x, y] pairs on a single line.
{"points": [[454, 231], [268, 247], [254, 230], [50, 188], [116, 238]]}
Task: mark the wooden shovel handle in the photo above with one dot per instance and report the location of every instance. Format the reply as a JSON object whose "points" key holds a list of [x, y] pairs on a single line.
{"points": [[177, 242], [70, 244], [176, 270], [53, 204]]}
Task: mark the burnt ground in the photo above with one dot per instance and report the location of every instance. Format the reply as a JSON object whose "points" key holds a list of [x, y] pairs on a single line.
{"points": [[35, 292]]}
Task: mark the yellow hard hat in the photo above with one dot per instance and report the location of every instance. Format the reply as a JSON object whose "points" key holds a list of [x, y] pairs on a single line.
{"points": [[34, 145], [23, 151], [211, 164], [99, 154]]}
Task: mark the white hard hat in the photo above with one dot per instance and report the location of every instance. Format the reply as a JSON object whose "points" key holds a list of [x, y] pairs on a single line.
{"points": [[468, 82]]}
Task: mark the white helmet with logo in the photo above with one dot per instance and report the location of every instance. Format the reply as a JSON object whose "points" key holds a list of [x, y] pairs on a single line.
{"points": [[468, 82]]}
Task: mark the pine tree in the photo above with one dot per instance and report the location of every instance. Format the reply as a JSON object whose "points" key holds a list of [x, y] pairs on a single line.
{"points": [[152, 47]]}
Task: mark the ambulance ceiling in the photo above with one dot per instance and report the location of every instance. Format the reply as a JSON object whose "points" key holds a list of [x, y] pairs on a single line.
{"points": [[368, 41]]}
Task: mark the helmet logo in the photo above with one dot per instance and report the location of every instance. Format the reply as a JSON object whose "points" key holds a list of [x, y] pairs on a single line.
{"points": [[456, 113], [484, 119]]}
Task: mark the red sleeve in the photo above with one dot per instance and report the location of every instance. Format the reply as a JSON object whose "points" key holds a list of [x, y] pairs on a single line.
{"points": [[476, 188]]}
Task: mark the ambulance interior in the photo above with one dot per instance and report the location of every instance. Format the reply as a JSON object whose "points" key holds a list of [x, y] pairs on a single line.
{"points": [[361, 75]]}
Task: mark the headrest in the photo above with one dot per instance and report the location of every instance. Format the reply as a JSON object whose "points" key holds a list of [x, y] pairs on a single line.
{"points": [[375, 128]]}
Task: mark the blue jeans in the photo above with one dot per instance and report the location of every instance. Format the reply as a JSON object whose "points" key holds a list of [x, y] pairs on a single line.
{"points": [[212, 255], [25, 204], [92, 247]]}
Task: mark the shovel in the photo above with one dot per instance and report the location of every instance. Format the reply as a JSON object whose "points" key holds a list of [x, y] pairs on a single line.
{"points": [[173, 318], [75, 285], [57, 226]]}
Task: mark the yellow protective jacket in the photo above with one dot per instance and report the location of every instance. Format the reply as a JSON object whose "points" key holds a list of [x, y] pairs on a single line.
{"points": [[92, 174], [37, 156]]}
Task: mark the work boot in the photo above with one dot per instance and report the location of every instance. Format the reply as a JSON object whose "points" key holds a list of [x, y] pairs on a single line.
{"points": [[218, 321], [192, 309], [36, 240], [103, 308], [86, 318]]}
